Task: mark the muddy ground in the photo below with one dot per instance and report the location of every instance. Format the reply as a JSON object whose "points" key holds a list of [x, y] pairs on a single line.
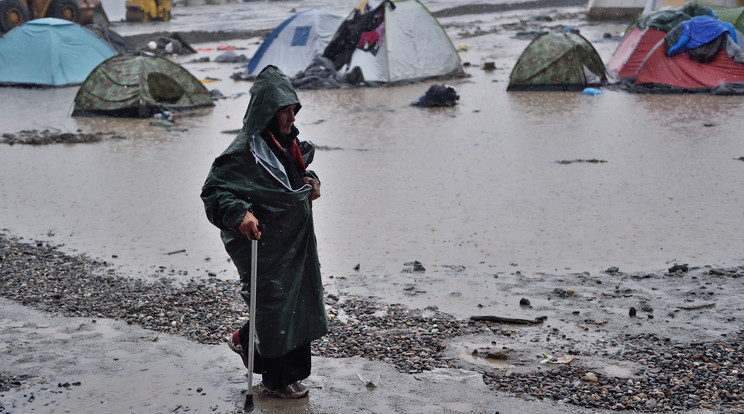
{"points": [[81, 337]]}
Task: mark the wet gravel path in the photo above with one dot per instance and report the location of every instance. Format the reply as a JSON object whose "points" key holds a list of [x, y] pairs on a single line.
{"points": [[675, 376]]}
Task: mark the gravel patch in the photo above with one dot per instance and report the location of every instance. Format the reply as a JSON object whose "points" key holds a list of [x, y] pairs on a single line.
{"points": [[674, 375]]}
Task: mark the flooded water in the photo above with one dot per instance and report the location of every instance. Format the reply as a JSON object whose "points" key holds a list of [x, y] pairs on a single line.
{"points": [[471, 191]]}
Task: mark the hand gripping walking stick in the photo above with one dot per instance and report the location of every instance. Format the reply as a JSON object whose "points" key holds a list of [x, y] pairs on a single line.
{"points": [[252, 323]]}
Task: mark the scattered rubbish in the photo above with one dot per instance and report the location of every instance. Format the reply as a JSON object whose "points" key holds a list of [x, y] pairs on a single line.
{"points": [[176, 252], [501, 319], [167, 115], [589, 161], [528, 35], [590, 377], [438, 96], [231, 57], [632, 311], [524, 302], [414, 266], [697, 307], [357, 267], [488, 66], [370, 383], [462, 47], [543, 18], [679, 268], [592, 91], [204, 59], [173, 45], [489, 353], [549, 359]]}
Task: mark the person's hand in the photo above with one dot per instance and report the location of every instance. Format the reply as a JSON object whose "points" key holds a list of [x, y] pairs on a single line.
{"points": [[249, 226], [316, 187]]}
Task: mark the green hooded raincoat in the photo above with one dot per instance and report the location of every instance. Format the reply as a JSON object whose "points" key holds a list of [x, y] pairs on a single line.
{"points": [[290, 309]]}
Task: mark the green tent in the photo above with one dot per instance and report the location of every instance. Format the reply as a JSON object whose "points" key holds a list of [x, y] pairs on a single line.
{"points": [[557, 61], [733, 15], [668, 18], [134, 85]]}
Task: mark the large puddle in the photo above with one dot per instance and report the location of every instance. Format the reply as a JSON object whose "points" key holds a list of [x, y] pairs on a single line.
{"points": [[492, 186]]}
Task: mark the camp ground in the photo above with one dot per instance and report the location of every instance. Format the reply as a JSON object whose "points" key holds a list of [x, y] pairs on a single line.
{"points": [[139, 86], [294, 43], [716, 61], [393, 42], [50, 52], [557, 61]]}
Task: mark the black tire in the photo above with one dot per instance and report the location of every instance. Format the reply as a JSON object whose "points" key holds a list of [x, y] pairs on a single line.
{"points": [[12, 14], [65, 9]]}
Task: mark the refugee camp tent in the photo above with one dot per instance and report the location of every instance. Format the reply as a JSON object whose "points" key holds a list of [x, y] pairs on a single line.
{"points": [[733, 15], [645, 33], [50, 52], [716, 62], [631, 51], [295, 42], [396, 41], [557, 61], [132, 85]]}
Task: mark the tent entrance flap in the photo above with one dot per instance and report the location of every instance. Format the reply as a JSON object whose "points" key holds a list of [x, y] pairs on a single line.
{"points": [[163, 88]]}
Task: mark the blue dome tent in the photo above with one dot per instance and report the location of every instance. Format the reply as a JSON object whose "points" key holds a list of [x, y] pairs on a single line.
{"points": [[50, 52]]}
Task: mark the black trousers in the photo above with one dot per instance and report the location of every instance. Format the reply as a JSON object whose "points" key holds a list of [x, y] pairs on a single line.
{"points": [[277, 373]]}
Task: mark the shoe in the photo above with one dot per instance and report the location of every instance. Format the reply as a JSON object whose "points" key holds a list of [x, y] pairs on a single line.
{"points": [[294, 390], [233, 341]]}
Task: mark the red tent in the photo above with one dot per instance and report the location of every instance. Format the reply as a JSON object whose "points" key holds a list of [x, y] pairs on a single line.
{"points": [[682, 72], [632, 50]]}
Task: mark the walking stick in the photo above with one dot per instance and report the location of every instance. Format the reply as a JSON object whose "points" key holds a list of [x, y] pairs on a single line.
{"points": [[252, 325]]}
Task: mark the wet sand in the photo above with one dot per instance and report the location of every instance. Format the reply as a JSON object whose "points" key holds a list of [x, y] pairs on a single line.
{"points": [[538, 228]]}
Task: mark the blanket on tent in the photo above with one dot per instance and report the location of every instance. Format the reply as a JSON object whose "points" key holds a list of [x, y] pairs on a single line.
{"points": [[361, 31], [703, 40], [705, 34]]}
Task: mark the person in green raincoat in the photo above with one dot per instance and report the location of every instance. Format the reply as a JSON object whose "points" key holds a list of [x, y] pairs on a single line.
{"points": [[262, 177]]}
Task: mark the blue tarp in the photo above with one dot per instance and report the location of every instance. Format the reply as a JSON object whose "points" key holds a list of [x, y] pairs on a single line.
{"points": [[700, 30], [50, 52]]}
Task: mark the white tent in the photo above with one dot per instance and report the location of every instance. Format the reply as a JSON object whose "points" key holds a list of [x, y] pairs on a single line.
{"points": [[413, 46], [294, 43]]}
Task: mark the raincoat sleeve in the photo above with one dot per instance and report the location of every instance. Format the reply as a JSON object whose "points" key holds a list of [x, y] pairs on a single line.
{"points": [[224, 193]]}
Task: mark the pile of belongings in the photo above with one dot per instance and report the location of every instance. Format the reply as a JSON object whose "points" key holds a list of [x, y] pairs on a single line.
{"points": [[437, 96]]}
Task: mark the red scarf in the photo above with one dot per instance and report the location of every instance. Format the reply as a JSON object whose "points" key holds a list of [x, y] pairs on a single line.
{"points": [[294, 151]]}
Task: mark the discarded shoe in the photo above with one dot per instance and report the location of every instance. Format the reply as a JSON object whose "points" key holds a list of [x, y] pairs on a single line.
{"points": [[233, 341], [294, 390]]}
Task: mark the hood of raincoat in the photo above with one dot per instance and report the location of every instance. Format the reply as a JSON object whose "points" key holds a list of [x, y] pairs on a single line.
{"points": [[271, 92]]}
